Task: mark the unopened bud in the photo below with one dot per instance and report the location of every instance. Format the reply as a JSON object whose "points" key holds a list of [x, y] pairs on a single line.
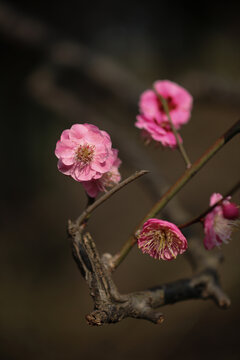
{"points": [[230, 211]]}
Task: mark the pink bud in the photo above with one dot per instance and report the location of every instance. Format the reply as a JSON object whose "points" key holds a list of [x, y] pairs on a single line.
{"points": [[230, 211]]}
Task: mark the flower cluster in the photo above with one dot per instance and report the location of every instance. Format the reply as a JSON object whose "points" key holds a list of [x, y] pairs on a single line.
{"points": [[85, 153], [153, 119], [161, 239], [220, 222]]}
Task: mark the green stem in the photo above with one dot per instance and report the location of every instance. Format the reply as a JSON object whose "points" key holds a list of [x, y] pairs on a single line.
{"points": [[180, 145], [174, 189]]}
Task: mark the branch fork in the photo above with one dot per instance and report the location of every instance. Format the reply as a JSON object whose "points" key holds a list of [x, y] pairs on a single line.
{"points": [[109, 305]]}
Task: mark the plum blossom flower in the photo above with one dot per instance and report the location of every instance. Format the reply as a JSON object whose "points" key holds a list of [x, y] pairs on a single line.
{"points": [[84, 152], [151, 130], [178, 99], [161, 239], [220, 222], [153, 119], [108, 179]]}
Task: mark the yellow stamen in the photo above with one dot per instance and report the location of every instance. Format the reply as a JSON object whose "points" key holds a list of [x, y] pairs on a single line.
{"points": [[84, 153]]}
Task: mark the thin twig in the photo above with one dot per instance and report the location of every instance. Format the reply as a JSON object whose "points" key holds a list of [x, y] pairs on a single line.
{"points": [[210, 208], [87, 212], [174, 130], [174, 189]]}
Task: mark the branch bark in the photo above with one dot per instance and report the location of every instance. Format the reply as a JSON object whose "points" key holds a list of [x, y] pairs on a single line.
{"points": [[176, 187], [110, 306]]}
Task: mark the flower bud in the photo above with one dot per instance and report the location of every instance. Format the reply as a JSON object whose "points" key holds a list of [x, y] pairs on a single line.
{"points": [[230, 211]]}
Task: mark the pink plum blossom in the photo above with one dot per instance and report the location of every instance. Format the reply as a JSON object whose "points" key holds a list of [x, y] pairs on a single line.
{"points": [[161, 239], [151, 130], [220, 222], [108, 179], [153, 119], [84, 152], [179, 103]]}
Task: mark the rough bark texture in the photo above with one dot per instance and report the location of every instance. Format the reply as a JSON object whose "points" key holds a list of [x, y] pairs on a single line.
{"points": [[110, 306]]}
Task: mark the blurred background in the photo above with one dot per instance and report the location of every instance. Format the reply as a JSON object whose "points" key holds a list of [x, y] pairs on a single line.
{"points": [[69, 61]]}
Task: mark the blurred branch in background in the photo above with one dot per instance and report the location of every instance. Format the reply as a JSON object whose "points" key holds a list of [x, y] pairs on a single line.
{"points": [[100, 69], [70, 79], [109, 305], [92, 74]]}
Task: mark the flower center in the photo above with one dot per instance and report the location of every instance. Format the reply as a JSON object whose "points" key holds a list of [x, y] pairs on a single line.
{"points": [[85, 153], [170, 103], [160, 240], [222, 227], [165, 239]]}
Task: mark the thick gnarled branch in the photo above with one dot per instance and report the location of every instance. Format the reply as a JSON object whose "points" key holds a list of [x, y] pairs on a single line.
{"points": [[110, 306]]}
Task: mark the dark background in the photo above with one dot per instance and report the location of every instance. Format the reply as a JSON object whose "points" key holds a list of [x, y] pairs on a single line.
{"points": [[66, 62]]}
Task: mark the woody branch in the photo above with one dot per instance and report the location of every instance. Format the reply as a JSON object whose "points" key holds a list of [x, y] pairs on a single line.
{"points": [[109, 305], [204, 284]]}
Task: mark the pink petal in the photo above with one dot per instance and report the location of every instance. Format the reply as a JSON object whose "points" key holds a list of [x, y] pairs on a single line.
{"points": [[91, 187], [63, 151], [215, 197], [67, 170], [78, 131], [82, 173]]}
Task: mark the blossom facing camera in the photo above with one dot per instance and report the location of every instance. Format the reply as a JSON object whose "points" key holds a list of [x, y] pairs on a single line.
{"points": [[153, 118], [107, 181], [161, 239], [84, 152], [220, 222]]}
